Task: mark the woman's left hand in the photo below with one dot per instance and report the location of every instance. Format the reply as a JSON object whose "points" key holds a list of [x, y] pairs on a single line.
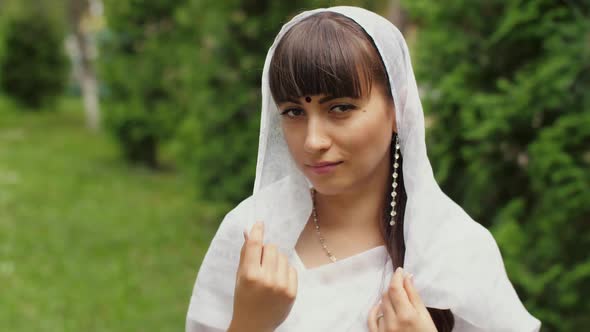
{"points": [[401, 307]]}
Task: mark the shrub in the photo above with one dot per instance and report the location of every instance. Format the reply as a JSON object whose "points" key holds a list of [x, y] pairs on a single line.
{"points": [[505, 87], [33, 68]]}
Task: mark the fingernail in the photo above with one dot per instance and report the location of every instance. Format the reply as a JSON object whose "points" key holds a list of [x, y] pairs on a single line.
{"points": [[411, 277], [245, 234]]}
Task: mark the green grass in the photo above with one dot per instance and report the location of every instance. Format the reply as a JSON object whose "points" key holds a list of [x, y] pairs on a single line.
{"points": [[87, 242]]}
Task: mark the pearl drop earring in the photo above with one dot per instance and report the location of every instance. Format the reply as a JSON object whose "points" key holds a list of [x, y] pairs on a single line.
{"points": [[394, 184]]}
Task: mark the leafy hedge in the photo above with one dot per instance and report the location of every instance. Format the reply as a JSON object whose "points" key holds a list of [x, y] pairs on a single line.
{"points": [[506, 90], [33, 70]]}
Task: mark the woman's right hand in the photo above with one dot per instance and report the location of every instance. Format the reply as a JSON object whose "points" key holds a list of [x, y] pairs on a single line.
{"points": [[266, 285]]}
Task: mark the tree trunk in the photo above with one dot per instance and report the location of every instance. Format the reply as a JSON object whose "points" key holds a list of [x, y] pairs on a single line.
{"points": [[85, 73], [397, 16]]}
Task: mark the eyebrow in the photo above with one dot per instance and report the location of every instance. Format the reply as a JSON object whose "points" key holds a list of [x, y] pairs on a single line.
{"points": [[321, 101]]}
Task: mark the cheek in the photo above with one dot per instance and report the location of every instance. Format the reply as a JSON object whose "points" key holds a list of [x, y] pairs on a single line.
{"points": [[295, 139], [368, 138]]}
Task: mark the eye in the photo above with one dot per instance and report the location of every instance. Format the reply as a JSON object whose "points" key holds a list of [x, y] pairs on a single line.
{"points": [[292, 112], [342, 108]]}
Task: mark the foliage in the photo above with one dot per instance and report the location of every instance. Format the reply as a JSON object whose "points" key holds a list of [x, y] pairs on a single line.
{"points": [[139, 66], [32, 69], [505, 86]]}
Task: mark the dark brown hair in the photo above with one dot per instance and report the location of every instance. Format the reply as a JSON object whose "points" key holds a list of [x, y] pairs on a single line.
{"points": [[328, 53]]}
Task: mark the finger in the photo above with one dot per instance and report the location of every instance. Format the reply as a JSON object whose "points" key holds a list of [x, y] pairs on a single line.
{"points": [[282, 270], [372, 319], [243, 249], [389, 314], [397, 295], [293, 280], [253, 245], [413, 295], [269, 260]]}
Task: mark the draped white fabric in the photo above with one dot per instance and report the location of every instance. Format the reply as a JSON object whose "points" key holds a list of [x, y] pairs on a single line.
{"points": [[456, 261]]}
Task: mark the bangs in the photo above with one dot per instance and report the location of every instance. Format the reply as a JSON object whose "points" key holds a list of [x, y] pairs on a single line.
{"points": [[326, 53]]}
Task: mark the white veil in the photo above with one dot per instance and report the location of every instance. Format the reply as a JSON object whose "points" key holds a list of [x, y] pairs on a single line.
{"points": [[456, 262]]}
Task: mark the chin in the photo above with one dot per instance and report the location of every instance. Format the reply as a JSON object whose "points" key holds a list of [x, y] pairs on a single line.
{"points": [[330, 186]]}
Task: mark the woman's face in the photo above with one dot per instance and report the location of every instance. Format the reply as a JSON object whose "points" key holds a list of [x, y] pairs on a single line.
{"points": [[340, 144]]}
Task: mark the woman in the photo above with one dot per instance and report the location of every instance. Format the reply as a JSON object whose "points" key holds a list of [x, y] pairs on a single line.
{"points": [[349, 206]]}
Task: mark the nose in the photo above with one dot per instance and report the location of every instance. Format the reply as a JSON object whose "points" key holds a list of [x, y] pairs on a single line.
{"points": [[317, 139]]}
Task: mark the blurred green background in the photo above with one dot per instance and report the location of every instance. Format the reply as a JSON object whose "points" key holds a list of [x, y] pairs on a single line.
{"points": [[112, 114]]}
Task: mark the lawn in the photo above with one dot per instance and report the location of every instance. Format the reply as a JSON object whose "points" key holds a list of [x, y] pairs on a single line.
{"points": [[87, 242]]}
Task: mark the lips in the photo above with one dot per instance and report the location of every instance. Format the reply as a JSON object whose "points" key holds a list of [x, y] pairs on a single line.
{"points": [[325, 163], [324, 167]]}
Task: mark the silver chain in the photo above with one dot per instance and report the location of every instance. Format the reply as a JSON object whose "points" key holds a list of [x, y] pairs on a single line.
{"points": [[317, 229]]}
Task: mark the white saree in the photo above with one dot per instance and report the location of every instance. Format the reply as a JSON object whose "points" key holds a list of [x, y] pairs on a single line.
{"points": [[456, 262]]}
